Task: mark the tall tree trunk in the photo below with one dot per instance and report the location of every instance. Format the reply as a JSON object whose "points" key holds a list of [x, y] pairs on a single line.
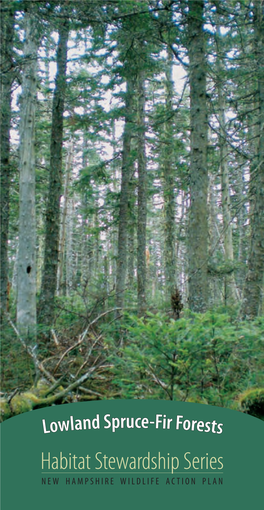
{"points": [[6, 37], [254, 280], [114, 231], [26, 265], [242, 245], [214, 236], [69, 262], [131, 254], [230, 284], [64, 218], [198, 214], [181, 247], [40, 249], [85, 222], [121, 263], [97, 235], [169, 188], [131, 231], [49, 279], [142, 196]]}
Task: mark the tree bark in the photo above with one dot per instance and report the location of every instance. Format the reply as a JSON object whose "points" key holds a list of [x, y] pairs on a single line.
{"points": [[242, 245], [69, 262], [215, 291], [142, 196], [121, 263], [65, 212], [131, 254], [253, 288], [26, 265], [51, 256], [198, 213], [169, 188], [230, 284], [6, 37]]}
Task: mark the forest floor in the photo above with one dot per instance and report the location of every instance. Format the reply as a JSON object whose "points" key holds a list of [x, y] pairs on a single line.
{"points": [[211, 358]]}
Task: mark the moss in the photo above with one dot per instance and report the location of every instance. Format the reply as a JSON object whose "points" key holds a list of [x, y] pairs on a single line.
{"points": [[22, 403], [196, 400], [42, 388], [252, 402], [31, 396], [5, 411]]}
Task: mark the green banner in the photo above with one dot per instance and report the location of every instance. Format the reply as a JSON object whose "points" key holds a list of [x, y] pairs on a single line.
{"points": [[132, 454]]}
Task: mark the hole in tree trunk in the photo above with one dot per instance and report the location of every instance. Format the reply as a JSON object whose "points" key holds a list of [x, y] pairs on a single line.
{"points": [[28, 269]]}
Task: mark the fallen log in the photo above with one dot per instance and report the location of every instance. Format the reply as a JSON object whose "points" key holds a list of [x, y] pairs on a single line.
{"points": [[39, 396]]}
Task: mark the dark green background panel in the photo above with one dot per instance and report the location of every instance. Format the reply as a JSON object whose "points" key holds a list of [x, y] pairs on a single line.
{"points": [[241, 444]]}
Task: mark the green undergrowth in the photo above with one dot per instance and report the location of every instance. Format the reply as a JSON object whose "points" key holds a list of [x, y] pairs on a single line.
{"points": [[17, 369], [207, 358], [210, 358]]}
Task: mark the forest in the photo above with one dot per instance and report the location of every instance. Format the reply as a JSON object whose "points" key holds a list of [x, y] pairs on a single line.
{"points": [[132, 202]]}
